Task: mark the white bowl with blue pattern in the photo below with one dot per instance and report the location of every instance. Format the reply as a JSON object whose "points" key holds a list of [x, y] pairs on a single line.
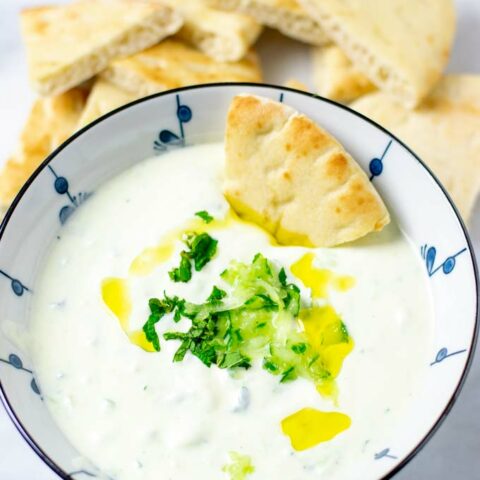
{"points": [[197, 114]]}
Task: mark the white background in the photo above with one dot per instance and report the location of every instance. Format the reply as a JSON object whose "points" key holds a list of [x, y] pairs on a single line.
{"points": [[454, 452]]}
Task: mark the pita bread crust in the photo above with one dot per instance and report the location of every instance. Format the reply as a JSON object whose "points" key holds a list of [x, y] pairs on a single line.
{"points": [[292, 177], [403, 46], [104, 97], [51, 121], [224, 36], [173, 64], [68, 44], [335, 77], [287, 16], [296, 84], [443, 131]]}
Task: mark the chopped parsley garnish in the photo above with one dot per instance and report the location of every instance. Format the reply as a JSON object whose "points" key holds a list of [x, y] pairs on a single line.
{"points": [[204, 215], [159, 308], [211, 336], [183, 273], [256, 319], [201, 249]]}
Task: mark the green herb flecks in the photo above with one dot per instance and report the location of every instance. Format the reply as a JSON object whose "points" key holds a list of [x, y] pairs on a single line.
{"points": [[210, 337], [288, 375], [159, 308], [183, 273], [299, 348], [205, 216], [256, 319], [201, 249], [216, 296], [239, 467]]}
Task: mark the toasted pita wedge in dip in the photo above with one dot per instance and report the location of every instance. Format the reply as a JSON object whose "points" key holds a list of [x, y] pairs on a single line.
{"points": [[289, 175]]}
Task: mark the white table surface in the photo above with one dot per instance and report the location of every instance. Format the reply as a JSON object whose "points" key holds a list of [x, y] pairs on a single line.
{"points": [[454, 452]]}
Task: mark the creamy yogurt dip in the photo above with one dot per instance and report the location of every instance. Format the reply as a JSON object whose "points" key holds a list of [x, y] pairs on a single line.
{"points": [[138, 415]]}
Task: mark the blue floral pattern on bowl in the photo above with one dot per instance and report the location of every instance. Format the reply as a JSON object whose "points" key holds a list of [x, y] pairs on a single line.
{"points": [[62, 187], [18, 288], [429, 254], [166, 138], [385, 453], [16, 362], [376, 164], [443, 354]]}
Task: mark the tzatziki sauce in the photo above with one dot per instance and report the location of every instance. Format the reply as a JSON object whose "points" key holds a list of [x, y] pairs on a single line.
{"points": [[136, 414]]}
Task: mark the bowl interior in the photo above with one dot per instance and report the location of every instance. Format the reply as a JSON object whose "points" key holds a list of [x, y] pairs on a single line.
{"points": [[192, 115]]}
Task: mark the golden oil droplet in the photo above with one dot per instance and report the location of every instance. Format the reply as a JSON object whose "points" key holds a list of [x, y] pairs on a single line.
{"points": [[309, 427]]}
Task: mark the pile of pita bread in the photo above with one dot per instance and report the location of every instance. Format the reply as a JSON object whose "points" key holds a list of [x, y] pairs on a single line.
{"points": [[384, 58]]}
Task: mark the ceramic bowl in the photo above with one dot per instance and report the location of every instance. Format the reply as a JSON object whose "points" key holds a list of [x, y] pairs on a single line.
{"points": [[191, 115]]}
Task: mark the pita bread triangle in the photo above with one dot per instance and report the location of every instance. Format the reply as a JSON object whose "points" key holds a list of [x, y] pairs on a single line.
{"points": [[68, 44], [172, 64], [403, 46], [289, 175], [224, 36], [286, 16]]}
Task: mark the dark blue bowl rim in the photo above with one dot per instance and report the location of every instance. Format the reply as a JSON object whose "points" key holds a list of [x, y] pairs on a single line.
{"points": [[3, 396]]}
